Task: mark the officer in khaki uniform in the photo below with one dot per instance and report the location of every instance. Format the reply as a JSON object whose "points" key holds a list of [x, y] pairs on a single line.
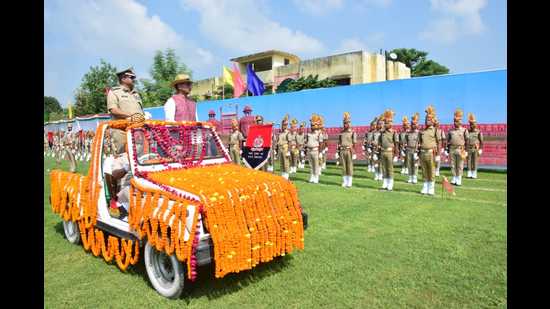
{"points": [[323, 147], [456, 141], [402, 145], [124, 102], [367, 145], [428, 144], [345, 151], [314, 138], [411, 148], [475, 145], [236, 139], [441, 137], [300, 140], [375, 145], [293, 146], [283, 149], [388, 143]]}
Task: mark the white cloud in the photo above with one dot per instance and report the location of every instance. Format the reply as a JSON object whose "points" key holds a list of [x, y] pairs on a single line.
{"points": [[78, 33], [318, 7], [458, 18], [243, 26]]}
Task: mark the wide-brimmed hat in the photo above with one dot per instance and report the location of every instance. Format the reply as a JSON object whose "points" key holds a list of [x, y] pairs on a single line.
{"points": [[247, 109], [181, 78]]}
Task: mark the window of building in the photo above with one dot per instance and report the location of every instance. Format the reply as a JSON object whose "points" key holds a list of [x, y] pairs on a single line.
{"points": [[287, 61], [264, 64], [342, 81]]}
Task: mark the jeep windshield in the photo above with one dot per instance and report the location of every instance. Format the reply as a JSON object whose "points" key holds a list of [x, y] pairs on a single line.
{"points": [[161, 144]]}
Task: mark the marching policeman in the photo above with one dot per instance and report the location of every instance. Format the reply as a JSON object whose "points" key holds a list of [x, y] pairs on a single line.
{"points": [[314, 138], [428, 145], [402, 145], [367, 145], [388, 143], [300, 140], [283, 148], [376, 148], [411, 145], [293, 145], [456, 140], [475, 145], [236, 139], [441, 137], [345, 150]]}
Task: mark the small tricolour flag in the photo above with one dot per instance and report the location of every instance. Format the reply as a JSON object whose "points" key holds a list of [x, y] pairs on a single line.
{"points": [[447, 186]]}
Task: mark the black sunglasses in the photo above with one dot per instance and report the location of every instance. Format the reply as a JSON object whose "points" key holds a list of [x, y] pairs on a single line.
{"points": [[131, 77]]}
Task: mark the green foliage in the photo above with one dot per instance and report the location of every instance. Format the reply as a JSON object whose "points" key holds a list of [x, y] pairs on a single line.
{"points": [[418, 62], [58, 116], [51, 105], [166, 65], [90, 97], [226, 91], [309, 82]]}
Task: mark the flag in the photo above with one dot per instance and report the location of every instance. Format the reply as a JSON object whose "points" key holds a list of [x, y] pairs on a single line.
{"points": [[258, 144], [227, 76], [238, 85], [447, 186], [254, 83], [70, 109]]}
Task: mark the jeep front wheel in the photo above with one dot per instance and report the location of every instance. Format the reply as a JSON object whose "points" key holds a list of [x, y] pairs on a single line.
{"points": [[72, 232], [166, 273]]}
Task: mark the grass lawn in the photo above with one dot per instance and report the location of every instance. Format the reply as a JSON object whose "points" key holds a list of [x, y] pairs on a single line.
{"points": [[364, 248]]}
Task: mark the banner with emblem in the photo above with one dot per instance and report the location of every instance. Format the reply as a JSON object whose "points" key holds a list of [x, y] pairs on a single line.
{"points": [[258, 145]]}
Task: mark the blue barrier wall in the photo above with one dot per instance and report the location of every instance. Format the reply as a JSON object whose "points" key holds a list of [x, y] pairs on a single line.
{"points": [[483, 93]]}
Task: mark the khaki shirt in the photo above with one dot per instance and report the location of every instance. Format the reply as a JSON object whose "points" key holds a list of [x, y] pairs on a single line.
{"points": [[347, 139], [375, 138], [402, 137], [314, 139], [235, 138], [124, 99], [457, 137], [388, 139], [411, 139], [428, 138], [300, 139], [291, 136], [474, 138], [283, 138]]}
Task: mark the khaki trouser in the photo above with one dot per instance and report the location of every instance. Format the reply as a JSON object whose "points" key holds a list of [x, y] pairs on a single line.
{"points": [[368, 157], [386, 164], [322, 159], [457, 163], [347, 162], [427, 164], [313, 158], [294, 154], [377, 169], [473, 157], [284, 160], [411, 164], [405, 160], [235, 154]]}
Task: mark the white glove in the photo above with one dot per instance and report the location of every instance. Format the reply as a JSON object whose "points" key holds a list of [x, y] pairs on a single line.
{"points": [[241, 152], [442, 150], [415, 156], [320, 155], [375, 157], [480, 152], [437, 158], [394, 159], [338, 162], [402, 153], [369, 150], [302, 153], [446, 153], [336, 156], [363, 147], [354, 157], [288, 153]]}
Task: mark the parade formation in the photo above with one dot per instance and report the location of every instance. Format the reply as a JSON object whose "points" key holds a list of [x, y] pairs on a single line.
{"points": [[415, 150]]}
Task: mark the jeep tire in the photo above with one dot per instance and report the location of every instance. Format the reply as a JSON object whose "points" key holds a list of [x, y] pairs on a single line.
{"points": [[166, 273], [72, 231]]}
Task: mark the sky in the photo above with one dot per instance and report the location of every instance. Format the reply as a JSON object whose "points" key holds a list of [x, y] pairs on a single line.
{"points": [[464, 35]]}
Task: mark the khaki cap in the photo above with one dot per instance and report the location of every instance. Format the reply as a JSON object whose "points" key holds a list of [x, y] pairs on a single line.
{"points": [[181, 78]]}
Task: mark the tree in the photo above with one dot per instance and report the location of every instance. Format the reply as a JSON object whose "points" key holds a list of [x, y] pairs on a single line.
{"points": [[418, 62], [309, 82], [90, 97], [51, 105], [163, 71]]}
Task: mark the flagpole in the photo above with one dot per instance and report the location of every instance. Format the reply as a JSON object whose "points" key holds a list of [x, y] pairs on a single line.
{"points": [[223, 85]]}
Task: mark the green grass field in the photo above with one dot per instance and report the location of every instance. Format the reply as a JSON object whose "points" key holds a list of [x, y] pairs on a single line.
{"points": [[364, 248]]}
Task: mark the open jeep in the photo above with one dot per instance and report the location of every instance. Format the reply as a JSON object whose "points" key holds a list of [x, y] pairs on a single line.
{"points": [[189, 205]]}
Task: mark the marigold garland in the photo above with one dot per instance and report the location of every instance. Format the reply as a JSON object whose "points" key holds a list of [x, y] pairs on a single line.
{"points": [[252, 216]]}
